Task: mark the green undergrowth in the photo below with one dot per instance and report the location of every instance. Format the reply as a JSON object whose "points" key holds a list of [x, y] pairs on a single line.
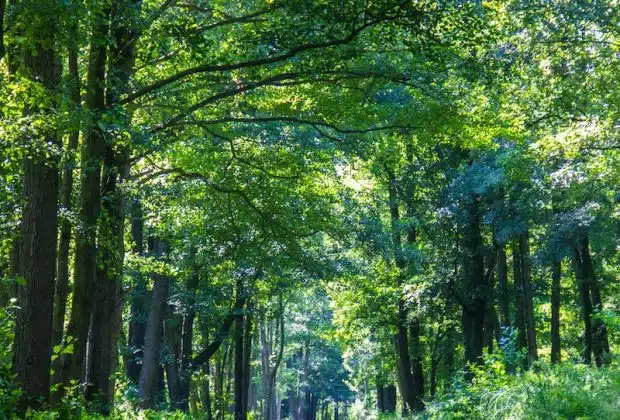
{"points": [[567, 391]]}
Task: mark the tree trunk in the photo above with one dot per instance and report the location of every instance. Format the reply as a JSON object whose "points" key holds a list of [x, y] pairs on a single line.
{"points": [[475, 290], [401, 341], [139, 301], [556, 277], [239, 379], [270, 372], [108, 299], [416, 365], [66, 189], [37, 256], [417, 355], [268, 380], [386, 396], [517, 266], [586, 303], [600, 341], [185, 375], [92, 155], [150, 373], [448, 359], [490, 320], [247, 356], [434, 365], [528, 298], [108, 305], [172, 334], [502, 286], [405, 377], [240, 413]]}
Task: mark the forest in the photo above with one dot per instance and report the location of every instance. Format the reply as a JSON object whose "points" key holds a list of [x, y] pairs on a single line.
{"points": [[309, 209]]}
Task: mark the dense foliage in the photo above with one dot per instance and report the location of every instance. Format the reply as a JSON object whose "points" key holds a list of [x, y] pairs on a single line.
{"points": [[309, 209]]}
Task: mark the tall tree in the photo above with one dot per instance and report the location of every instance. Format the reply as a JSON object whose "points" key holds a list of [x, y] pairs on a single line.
{"points": [[41, 68], [92, 155]]}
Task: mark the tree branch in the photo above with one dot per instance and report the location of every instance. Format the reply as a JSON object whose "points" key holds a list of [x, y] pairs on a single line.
{"points": [[210, 350], [225, 94], [204, 68]]}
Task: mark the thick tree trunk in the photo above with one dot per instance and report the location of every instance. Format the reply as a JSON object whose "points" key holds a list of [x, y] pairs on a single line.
{"points": [[150, 374], [475, 287], [108, 305], [380, 398], [386, 398], [93, 150], [108, 301], [37, 256], [416, 365], [528, 298], [403, 367], [556, 276]]}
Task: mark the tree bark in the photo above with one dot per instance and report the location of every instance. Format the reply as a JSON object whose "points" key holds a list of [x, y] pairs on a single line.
{"points": [[110, 257], [92, 155], [150, 373], [37, 256]]}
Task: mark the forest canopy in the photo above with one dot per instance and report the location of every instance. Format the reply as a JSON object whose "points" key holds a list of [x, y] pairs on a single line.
{"points": [[309, 209]]}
